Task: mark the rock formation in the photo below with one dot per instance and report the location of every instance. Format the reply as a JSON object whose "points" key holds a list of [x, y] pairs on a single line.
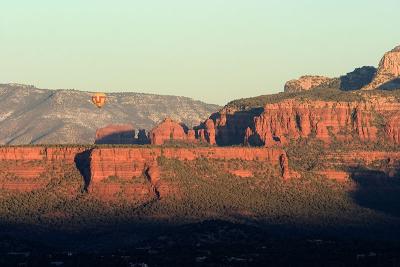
{"points": [[388, 72], [230, 126], [128, 163], [167, 130], [30, 168], [305, 83], [327, 121], [392, 129], [207, 134]]}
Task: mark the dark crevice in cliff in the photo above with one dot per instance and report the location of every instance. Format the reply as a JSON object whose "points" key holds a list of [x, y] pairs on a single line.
{"points": [[153, 185], [82, 163]]}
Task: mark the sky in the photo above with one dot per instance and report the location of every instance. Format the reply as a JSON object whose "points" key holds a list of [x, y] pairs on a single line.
{"points": [[211, 50]]}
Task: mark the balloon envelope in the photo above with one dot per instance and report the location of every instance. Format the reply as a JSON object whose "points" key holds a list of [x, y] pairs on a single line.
{"points": [[99, 99]]}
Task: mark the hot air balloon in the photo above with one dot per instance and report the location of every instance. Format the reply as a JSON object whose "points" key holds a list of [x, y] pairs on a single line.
{"points": [[99, 99]]}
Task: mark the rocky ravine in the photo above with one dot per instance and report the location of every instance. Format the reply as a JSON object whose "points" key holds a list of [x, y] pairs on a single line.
{"points": [[29, 115]]}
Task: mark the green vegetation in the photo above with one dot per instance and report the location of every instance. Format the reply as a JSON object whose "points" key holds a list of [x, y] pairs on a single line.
{"points": [[201, 189], [306, 154]]}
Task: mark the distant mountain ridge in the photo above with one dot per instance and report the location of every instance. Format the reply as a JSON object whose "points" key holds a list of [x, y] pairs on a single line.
{"points": [[29, 115]]}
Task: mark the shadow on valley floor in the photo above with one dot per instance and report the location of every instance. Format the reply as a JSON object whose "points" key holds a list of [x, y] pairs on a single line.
{"points": [[377, 190], [207, 243]]}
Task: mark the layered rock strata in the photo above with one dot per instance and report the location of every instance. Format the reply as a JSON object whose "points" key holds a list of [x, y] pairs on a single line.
{"points": [[327, 121]]}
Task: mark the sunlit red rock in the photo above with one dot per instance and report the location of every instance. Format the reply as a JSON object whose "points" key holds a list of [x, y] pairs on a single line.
{"points": [[210, 132], [167, 130], [305, 83], [388, 71], [291, 119]]}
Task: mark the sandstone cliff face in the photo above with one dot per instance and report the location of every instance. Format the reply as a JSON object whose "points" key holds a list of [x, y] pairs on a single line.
{"points": [[124, 163], [210, 132], [128, 163], [29, 168], [305, 83], [392, 129], [290, 119], [29, 163], [66, 154], [388, 71]]}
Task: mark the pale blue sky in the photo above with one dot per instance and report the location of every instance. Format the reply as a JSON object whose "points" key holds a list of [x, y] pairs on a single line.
{"points": [[212, 50]]}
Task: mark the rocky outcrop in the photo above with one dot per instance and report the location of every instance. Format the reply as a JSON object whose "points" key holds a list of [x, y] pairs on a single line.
{"points": [[207, 132], [388, 72], [327, 121], [167, 130], [305, 83]]}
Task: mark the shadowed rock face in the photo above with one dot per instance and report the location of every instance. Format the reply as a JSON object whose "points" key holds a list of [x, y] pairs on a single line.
{"points": [[116, 134], [388, 70], [119, 134], [357, 79]]}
